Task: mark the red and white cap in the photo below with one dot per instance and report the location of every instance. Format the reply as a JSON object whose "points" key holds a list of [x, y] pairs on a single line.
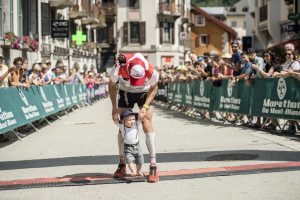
{"points": [[137, 71]]}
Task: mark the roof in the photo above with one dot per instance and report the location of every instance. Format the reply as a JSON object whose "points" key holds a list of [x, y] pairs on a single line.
{"points": [[215, 10], [214, 20]]}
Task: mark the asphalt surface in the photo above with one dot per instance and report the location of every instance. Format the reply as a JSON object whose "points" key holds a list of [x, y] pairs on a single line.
{"points": [[83, 144]]}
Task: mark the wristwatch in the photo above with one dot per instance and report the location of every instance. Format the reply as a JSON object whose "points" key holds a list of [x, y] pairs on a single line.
{"points": [[146, 106]]}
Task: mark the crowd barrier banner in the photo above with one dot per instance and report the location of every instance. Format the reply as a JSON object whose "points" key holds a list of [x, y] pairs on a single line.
{"points": [[271, 97], [22, 106], [278, 98]]}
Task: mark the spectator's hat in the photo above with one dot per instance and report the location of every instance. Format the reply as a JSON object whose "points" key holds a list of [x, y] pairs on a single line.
{"points": [[1, 55], [250, 50], [127, 113], [137, 72], [235, 44], [91, 74], [48, 62], [200, 59], [206, 55], [227, 55], [38, 62], [37, 67]]}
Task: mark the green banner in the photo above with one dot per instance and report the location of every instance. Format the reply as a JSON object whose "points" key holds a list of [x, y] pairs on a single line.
{"points": [[22, 106], [232, 98], [277, 98], [202, 94], [271, 97]]}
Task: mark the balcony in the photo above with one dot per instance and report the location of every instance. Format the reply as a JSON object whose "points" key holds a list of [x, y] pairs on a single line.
{"points": [[61, 4], [76, 14], [263, 13], [109, 8], [170, 9]]}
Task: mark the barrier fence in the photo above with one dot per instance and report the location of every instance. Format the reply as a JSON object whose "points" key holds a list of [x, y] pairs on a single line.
{"points": [[275, 98], [23, 106]]}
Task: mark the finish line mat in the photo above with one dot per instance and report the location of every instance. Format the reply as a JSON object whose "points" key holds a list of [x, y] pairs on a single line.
{"points": [[163, 175]]}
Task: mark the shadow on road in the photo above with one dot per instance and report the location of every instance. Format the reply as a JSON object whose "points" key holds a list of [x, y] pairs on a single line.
{"points": [[260, 155]]}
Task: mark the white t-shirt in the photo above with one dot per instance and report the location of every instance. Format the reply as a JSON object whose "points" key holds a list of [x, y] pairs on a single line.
{"points": [[4, 82], [125, 84], [293, 65], [130, 135]]}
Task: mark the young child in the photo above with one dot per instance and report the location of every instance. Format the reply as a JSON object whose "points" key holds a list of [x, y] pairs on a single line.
{"points": [[129, 127]]}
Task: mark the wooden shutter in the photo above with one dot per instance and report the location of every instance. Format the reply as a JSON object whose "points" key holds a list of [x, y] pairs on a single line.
{"points": [[142, 33], [125, 33], [33, 23], [46, 19], [173, 33], [110, 35], [85, 5], [161, 32]]}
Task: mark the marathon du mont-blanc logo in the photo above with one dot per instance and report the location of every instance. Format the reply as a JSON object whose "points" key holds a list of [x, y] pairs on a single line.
{"points": [[48, 105], [6, 119], [68, 100], [281, 88], [201, 88], [229, 89], [30, 111], [56, 92], [60, 101], [24, 99]]}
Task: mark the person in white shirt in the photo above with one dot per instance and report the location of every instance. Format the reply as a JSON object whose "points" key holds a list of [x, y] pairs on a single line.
{"points": [[129, 128]]}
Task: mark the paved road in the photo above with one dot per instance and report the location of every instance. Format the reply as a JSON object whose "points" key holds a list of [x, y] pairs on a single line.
{"points": [[83, 144]]}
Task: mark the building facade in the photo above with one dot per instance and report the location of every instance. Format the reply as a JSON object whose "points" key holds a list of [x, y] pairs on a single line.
{"points": [[153, 28], [33, 19], [271, 24], [209, 33]]}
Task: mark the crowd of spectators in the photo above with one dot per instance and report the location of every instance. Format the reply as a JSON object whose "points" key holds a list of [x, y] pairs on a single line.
{"points": [[239, 65], [19, 74]]}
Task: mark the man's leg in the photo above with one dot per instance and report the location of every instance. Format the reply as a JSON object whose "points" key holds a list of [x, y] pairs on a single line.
{"points": [[150, 142], [121, 171]]}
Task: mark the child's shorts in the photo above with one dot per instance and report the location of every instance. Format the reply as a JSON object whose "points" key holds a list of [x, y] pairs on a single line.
{"points": [[133, 153]]}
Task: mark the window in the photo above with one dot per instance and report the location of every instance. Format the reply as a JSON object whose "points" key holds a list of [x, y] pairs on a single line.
{"points": [[102, 35], [166, 33], [200, 20], [134, 32], [233, 24], [1, 24], [232, 9], [134, 4], [203, 40]]}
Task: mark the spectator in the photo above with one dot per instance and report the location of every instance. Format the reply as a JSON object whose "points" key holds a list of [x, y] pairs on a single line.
{"points": [[90, 81], [4, 72], [15, 76], [291, 63], [36, 76], [47, 74], [256, 60], [270, 65], [236, 57]]}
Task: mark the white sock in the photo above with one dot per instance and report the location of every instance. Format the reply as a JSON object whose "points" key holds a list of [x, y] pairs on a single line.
{"points": [[121, 146], [150, 142]]}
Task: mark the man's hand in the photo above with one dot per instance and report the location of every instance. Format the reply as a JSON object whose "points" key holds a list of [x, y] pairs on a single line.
{"points": [[115, 115], [142, 113], [11, 69]]}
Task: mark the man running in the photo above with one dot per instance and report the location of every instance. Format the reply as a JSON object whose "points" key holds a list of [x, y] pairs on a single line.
{"points": [[134, 80]]}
